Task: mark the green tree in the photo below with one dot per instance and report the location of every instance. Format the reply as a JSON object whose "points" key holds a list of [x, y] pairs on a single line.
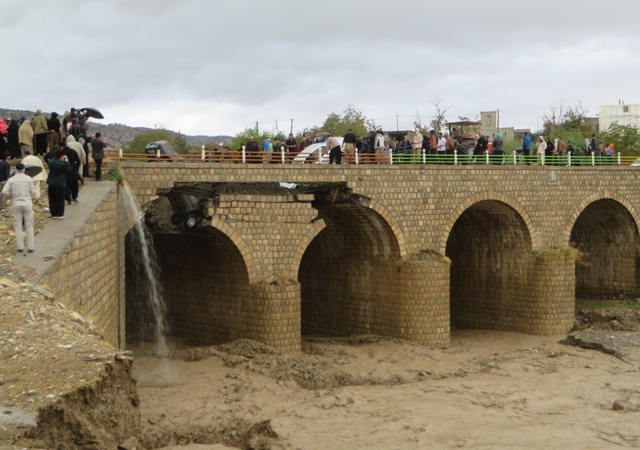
{"points": [[180, 144], [243, 137], [625, 138], [567, 122], [351, 118]]}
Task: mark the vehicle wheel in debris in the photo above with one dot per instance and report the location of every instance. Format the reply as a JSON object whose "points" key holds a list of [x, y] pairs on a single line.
{"points": [[176, 218], [192, 220]]}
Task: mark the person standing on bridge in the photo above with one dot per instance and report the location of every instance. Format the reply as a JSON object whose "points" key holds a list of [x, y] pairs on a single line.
{"points": [[350, 146], [542, 147], [594, 145], [5, 172], [97, 147], [526, 147], [379, 145], [292, 147], [72, 178], [21, 190], [25, 133], [441, 146], [416, 144], [267, 148], [561, 146], [335, 152], [610, 150], [33, 161], [498, 148], [59, 167], [433, 142]]}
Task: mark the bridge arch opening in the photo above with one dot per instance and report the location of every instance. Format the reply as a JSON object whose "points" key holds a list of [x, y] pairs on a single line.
{"points": [[489, 247], [607, 234], [205, 286], [347, 274]]}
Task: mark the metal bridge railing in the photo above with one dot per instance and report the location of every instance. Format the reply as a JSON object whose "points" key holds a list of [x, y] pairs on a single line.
{"points": [[281, 157]]}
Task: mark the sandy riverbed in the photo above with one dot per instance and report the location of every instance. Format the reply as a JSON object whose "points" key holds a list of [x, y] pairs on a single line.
{"points": [[487, 390]]}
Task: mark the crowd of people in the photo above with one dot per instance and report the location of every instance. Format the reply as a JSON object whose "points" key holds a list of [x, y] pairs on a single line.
{"points": [[545, 147], [430, 143], [377, 143], [60, 144]]}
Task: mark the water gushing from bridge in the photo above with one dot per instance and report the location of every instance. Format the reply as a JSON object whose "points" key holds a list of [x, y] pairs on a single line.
{"points": [[147, 269]]}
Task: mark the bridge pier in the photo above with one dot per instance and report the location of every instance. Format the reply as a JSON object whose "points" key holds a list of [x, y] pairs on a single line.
{"points": [[423, 302], [547, 306], [274, 314]]}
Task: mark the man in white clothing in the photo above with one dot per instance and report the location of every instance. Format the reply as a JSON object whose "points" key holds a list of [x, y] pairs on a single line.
{"points": [[20, 190]]}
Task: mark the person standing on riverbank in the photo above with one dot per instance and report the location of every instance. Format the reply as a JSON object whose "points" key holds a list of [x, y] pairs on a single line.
{"points": [[20, 190]]}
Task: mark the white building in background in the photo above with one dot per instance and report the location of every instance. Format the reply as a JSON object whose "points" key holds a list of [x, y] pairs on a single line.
{"points": [[623, 114]]}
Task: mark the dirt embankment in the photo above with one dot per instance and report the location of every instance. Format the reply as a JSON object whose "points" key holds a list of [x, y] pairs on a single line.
{"points": [[61, 385]]}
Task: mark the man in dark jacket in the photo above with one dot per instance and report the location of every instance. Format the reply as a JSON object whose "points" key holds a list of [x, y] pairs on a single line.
{"points": [[54, 130], [57, 182], [71, 195], [349, 146], [97, 149], [5, 171], [481, 145], [13, 139]]}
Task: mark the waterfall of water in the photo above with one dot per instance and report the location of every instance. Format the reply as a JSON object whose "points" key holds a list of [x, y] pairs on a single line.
{"points": [[146, 265]]}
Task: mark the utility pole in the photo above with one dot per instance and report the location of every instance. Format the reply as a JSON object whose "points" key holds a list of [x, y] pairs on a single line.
{"points": [[257, 129], [291, 129], [397, 126]]}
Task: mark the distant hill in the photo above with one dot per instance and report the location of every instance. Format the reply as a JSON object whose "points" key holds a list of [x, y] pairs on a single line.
{"points": [[116, 134]]}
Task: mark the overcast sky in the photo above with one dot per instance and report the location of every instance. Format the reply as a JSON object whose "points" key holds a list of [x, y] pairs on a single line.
{"points": [[216, 67]]}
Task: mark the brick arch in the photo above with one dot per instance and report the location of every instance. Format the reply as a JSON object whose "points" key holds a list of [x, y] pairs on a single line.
{"points": [[489, 195], [393, 223], [241, 245], [312, 232], [320, 224], [604, 195]]}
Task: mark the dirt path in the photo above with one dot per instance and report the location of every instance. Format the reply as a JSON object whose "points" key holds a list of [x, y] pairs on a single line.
{"points": [[488, 390]]}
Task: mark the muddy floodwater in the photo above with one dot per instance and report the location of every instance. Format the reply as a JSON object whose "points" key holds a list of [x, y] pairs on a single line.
{"points": [[487, 390]]}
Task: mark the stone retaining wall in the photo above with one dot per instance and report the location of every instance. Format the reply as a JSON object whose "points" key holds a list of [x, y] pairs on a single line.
{"points": [[89, 276]]}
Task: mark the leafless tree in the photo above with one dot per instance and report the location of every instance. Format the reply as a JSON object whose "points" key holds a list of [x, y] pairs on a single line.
{"points": [[439, 120]]}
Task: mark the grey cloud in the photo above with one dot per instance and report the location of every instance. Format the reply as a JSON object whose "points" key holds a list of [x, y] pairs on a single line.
{"points": [[239, 61]]}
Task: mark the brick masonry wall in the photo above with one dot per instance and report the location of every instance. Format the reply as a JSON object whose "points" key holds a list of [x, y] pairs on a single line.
{"points": [[421, 205], [426, 200], [614, 269], [549, 306], [210, 300], [89, 277]]}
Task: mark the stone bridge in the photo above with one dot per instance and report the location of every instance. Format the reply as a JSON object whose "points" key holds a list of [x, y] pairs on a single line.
{"points": [[277, 252]]}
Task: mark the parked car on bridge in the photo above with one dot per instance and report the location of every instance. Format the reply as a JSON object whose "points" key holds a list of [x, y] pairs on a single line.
{"points": [[163, 152], [315, 154]]}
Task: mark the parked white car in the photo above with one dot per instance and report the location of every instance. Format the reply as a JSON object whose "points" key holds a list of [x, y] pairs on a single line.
{"points": [[310, 154]]}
